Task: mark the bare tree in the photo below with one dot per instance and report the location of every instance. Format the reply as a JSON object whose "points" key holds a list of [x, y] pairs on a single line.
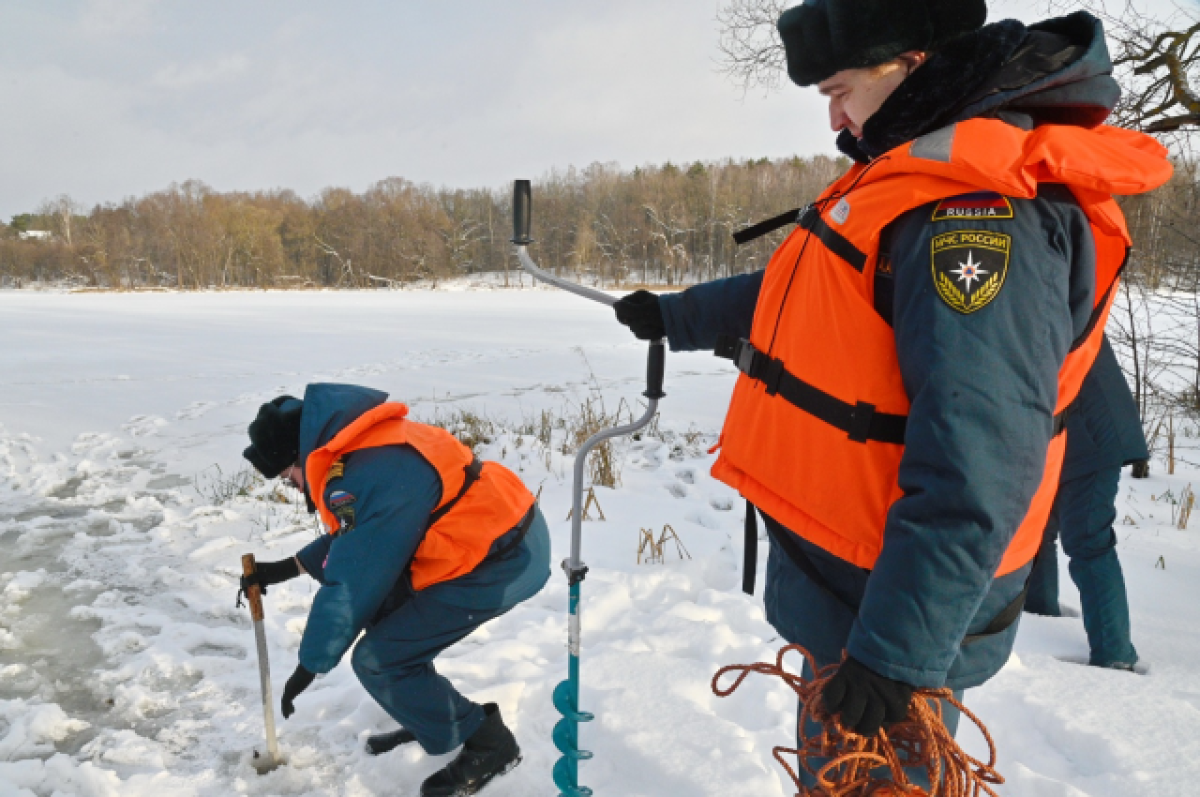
{"points": [[752, 54], [61, 212], [1167, 63], [1156, 60]]}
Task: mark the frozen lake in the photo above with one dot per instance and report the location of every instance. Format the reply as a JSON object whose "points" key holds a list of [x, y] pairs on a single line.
{"points": [[126, 670]]}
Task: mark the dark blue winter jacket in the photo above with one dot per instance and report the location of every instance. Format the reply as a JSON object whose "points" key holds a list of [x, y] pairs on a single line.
{"points": [[982, 386], [1104, 430], [394, 490]]}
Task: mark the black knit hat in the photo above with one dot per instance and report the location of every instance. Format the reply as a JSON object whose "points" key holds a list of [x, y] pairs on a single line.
{"points": [[275, 436], [823, 37]]}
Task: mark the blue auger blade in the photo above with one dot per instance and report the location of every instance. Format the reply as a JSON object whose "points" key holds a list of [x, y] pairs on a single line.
{"points": [[566, 739], [565, 703], [565, 781]]}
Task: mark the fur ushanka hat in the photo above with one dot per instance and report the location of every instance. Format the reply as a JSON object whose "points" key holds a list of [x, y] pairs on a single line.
{"points": [[275, 436], [823, 37]]}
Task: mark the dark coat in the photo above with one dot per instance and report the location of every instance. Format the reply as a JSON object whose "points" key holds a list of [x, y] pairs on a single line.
{"points": [[393, 490], [982, 386], [1103, 430]]}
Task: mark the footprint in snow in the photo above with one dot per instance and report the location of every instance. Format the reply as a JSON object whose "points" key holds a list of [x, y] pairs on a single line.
{"points": [[194, 410], [143, 425]]}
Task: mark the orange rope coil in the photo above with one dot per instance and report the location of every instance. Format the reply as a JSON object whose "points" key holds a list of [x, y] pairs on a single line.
{"points": [[921, 740]]}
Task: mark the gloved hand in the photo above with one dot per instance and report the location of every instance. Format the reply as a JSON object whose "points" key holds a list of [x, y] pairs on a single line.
{"points": [[865, 700], [301, 679], [641, 313], [1141, 469], [268, 573]]}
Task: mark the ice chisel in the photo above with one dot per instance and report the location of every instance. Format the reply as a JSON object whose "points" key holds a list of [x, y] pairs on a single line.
{"points": [[254, 595]]}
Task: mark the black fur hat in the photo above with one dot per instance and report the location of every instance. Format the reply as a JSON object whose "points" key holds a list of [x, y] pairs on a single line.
{"points": [[275, 436], [823, 37]]}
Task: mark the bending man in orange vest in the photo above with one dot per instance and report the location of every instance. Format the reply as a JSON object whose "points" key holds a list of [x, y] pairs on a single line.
{"points": [[910, 353], [425, 544]]}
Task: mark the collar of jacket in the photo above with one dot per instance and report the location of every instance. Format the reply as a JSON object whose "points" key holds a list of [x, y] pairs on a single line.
{"points": [[927, 99]]}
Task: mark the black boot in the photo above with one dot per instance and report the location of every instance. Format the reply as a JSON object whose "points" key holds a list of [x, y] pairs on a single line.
{"points": [[492, 750], [382, 743]]}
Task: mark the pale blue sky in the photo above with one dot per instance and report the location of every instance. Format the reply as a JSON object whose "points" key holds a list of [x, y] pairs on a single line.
{"points": [[103, 99]]}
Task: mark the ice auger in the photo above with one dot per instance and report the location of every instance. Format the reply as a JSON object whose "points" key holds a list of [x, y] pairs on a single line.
{"points": [[566, 694]]}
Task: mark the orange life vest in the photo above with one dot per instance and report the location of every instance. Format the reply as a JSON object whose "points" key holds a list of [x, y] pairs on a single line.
{"points": [[458, 539], [829, 472]]}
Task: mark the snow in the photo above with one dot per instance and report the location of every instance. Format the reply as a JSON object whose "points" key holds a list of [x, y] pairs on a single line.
{"points": [[125, 668]]}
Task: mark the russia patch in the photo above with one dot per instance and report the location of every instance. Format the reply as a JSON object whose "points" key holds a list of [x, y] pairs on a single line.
{"points": [[345, 517], [969, 267], [979, 205], [340, 498]]}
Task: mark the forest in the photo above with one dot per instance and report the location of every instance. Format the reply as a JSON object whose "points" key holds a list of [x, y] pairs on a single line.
{"points": [[658, 225]]}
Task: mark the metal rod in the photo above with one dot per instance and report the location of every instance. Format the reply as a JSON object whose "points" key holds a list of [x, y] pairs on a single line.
{"points": [[558, 282], [254, 594], [574, 562], [264, 671]]}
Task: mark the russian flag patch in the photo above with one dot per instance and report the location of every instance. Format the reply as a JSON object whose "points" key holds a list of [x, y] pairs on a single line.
{"points": [[980, 205]]}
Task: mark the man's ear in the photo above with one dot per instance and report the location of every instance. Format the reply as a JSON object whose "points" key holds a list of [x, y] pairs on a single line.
{"points": [[913, 59]]}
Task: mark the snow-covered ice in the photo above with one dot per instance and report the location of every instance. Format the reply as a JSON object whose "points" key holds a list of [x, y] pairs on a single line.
{"points": [[125, 668]]}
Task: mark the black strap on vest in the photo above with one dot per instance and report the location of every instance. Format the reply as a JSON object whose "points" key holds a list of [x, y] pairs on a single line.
{"points": [[809, 218], [793, 551], [834, 241], [859, 421], [769, 226], [518, 535], [750, 551], [473, 470]]}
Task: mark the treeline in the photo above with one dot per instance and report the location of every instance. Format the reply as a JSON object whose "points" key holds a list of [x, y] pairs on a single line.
{"points": [[663, 225]]}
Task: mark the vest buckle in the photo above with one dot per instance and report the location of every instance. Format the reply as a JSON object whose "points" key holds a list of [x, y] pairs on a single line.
{"points": [[860, 422], [808, 216], [743, 356]]}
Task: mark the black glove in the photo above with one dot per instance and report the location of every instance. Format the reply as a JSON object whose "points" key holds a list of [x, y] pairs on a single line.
{"points": [[301, 679], [1141, 469], [268, 573], [640, 312], [865, 700]]}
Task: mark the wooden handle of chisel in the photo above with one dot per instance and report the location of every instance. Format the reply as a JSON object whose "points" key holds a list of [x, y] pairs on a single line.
{"points": [[254, 593]]}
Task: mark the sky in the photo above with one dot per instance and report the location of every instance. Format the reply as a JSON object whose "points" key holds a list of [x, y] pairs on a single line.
{"points": [[106, 99]]}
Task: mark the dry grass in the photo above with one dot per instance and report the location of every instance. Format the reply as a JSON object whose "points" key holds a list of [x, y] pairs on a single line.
{"points": [[218, 488], [652, 551], [275, 507], [604, 463], [473, 429]]}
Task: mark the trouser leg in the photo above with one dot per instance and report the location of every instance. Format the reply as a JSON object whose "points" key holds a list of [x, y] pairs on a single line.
{"points": [[1043, 579], [916, 775], [1087, 515], [394, 663]]}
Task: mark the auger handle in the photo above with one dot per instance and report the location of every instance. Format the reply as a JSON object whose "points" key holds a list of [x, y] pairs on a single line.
{"points": [[522, 212], [656, 365]]}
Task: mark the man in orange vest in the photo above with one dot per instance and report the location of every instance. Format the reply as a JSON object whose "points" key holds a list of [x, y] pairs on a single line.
{"points": [[425, 544], [910, 354]]}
